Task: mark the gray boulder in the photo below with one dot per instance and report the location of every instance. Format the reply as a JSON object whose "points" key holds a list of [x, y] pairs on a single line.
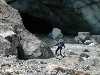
{"points": [[86, 39], [30, 44], [56, 34], [82, 37], [46, 51]]}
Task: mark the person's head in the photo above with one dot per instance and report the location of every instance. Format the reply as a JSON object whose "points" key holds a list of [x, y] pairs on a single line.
{"points": [[60, 40]]}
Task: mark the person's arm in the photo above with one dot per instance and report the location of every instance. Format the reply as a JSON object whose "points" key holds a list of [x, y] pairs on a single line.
{"points": [[56, 44], [64, 45]]}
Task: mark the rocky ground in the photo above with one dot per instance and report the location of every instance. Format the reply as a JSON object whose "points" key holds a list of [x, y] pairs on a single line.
{"points": [[79, 60]]}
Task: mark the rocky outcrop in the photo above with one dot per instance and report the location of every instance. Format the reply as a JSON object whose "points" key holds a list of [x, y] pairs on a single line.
{"points": [[9, 19], [14, 38]]}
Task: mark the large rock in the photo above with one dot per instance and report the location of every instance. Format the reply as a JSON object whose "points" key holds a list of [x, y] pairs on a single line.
{"points": [[18, 40], [46, 51], [30, 44], [9, 18], [82, 37], [86, 38]]}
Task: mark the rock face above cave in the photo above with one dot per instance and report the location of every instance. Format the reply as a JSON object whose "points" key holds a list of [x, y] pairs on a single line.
{"points": [[54, 11], [90, 11], [70, 16]]}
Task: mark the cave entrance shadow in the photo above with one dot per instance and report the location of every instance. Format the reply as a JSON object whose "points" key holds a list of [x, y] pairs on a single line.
{"points": [[36, 25]]}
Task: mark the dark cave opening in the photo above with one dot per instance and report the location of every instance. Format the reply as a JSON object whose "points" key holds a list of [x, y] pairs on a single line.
{"points": [[44, 25], [36, 25]]}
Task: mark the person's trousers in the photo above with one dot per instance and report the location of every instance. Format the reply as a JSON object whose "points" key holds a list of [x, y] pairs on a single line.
{"points": [[59, 48]]}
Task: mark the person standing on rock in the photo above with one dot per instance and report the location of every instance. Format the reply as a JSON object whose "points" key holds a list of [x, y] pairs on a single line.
{"points": [[60, 46]]}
